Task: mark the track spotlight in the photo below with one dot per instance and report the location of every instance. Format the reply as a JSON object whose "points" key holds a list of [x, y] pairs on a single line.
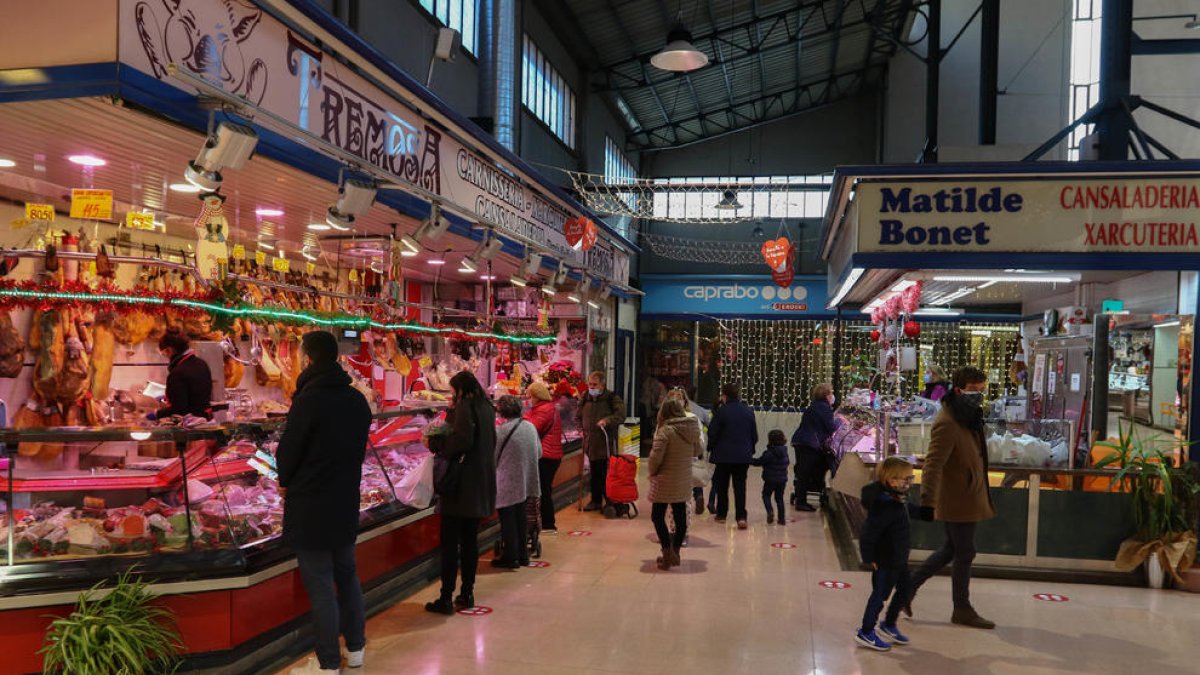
{"points": [[582, 289], [355, 197], [529, 267], [488, 247], [229, 147], [551, 286]]}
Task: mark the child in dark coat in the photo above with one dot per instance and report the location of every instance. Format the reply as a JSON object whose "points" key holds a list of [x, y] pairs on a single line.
{"points": [[774, 462], [884, 544]]}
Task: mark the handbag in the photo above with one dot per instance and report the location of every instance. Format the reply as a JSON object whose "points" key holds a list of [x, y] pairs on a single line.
{"points": [[447, 473]]}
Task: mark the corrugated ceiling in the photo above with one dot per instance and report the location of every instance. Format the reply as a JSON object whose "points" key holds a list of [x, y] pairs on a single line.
{"points": [[767, 59]]}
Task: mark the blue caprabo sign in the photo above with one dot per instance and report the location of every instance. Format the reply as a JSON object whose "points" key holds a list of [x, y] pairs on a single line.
{"points": [[741, 296]]}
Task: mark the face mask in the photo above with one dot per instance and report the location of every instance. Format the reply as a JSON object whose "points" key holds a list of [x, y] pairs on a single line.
{"points": [[832, 399], [928, 378], [595, 391], [973, 397]]}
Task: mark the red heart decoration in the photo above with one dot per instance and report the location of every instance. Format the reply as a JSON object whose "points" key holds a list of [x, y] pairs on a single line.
{"points": [[912, 329], [784, 278], [590, 234], [776, 252], [574, 229], [875, 335]]}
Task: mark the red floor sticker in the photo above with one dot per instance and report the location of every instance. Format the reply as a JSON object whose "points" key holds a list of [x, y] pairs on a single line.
{"points": [[538, 564], [579, 533], [1050, 597], [783, 545], [836, 585], [477, 610]]}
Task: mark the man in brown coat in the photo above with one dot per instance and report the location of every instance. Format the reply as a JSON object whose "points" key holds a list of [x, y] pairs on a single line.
{"points": [[954, 485], [601, 413]]}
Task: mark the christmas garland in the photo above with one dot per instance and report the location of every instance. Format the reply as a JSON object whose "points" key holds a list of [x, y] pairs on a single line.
{"points": [[50, 296]]}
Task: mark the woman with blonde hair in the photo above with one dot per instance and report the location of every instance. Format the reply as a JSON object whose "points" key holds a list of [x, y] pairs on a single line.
{"points": [[676, 443], [936, 383], [701, 471]]}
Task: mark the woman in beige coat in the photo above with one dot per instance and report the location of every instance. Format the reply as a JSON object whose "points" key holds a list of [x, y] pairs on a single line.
{"points": [[676, 442]]}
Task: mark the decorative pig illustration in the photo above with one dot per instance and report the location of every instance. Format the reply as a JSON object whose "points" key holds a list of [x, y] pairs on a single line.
{"points": [[204, 36]]}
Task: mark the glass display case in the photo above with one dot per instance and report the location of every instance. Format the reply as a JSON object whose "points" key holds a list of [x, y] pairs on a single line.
{"points": [[105, 496]]}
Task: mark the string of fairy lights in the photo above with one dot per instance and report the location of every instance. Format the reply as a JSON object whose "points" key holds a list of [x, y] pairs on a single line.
{"points": [[776, 363]]}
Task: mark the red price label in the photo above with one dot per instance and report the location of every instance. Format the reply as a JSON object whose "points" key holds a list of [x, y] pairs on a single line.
{"points": [[579, 533], [835, 585], [1050, 597], [538, 564], [477, 610], [783, 545]]}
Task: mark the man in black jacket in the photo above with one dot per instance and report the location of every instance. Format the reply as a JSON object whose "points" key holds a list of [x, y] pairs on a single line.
{"points": [[189, 380], [320, 466]]}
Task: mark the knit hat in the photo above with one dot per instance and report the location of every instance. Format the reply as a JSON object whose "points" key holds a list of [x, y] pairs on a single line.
{"points": [[320, 346], [539, 391]]}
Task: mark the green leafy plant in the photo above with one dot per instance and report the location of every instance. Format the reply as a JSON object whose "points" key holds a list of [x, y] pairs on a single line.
{"points": [[119, 633], [1165, 497]]}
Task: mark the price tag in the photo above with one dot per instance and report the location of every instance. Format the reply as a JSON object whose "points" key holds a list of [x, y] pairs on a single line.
{"points": [[260, 258], [91, 267], [239, 252], [39, 212], [425, 361], [353, 275], [92, 204], [139, 221], [19, 223], [310, 268], [281, 264]]}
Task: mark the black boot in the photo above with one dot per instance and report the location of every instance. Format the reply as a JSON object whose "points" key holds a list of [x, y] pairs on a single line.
{"points": [[465, 600], [441, 606]]}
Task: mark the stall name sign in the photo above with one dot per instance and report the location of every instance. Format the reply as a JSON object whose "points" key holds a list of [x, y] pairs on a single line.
{"points": [[139, 221], [92, 204], [752, 296], [1077, 214], [259, 59]]}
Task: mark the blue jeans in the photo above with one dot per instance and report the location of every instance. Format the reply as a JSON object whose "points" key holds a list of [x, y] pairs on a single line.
{"points": [[337, 611], [884, 581]]}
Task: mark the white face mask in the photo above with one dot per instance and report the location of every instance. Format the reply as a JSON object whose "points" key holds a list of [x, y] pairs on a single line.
{"points": [[832, 399], [595, 391]]}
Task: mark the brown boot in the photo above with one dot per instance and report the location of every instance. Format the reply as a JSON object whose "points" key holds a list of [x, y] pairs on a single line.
{"points": [[675, 557], [664, 560], [967, 616]]}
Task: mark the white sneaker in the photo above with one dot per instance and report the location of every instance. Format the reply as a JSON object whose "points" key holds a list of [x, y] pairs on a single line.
{"points": [[313, 667], [355, 659]]}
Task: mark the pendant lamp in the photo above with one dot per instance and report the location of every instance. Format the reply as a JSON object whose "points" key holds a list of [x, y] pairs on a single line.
{"points": [[680, 55]]}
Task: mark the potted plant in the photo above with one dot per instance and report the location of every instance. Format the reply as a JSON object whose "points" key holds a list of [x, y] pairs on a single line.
{"points": [[1164, 500], [118, 631]]}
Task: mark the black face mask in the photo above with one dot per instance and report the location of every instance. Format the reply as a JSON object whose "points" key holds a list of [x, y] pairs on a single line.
{"points": [[974, 398]]}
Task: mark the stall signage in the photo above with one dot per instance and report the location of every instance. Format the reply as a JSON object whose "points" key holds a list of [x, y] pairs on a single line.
{"points": [[92, 204], [260, 258], [239, 252], [43, 212], [1073, 214], [748, 295], [139, 221], [258, 58], [281, 265]]}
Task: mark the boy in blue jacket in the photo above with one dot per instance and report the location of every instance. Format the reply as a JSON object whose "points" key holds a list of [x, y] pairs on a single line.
{"points": [[774, 462], [884, 544]]}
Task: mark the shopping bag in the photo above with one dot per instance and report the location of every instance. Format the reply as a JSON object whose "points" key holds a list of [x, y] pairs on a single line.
{"points": [[416, 487], [702, 471]]}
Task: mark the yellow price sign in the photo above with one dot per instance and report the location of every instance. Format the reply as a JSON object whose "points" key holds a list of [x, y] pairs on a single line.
{"points": [[239, 252], [260, 258], [281, 265], [91, 267], [353, 275], [139, 220], [425, 361], [91, 204], [310, 268], [39, 212]]}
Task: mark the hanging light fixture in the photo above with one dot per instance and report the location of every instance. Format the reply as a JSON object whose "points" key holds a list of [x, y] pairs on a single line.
{"points": [[529, 267], [679, 55], [551, 286], [581, 289], [729, 201]]}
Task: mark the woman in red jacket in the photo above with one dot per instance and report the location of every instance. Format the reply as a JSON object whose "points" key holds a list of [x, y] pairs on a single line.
{"points": [[544, 415]]}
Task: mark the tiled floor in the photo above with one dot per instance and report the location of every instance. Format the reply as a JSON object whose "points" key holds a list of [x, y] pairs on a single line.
{"points": [[737, 605]]}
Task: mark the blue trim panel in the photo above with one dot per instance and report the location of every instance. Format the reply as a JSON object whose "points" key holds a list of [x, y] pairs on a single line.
{"points": [[337, 29], [89, 79], [715, 278], [1141, 262]]}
